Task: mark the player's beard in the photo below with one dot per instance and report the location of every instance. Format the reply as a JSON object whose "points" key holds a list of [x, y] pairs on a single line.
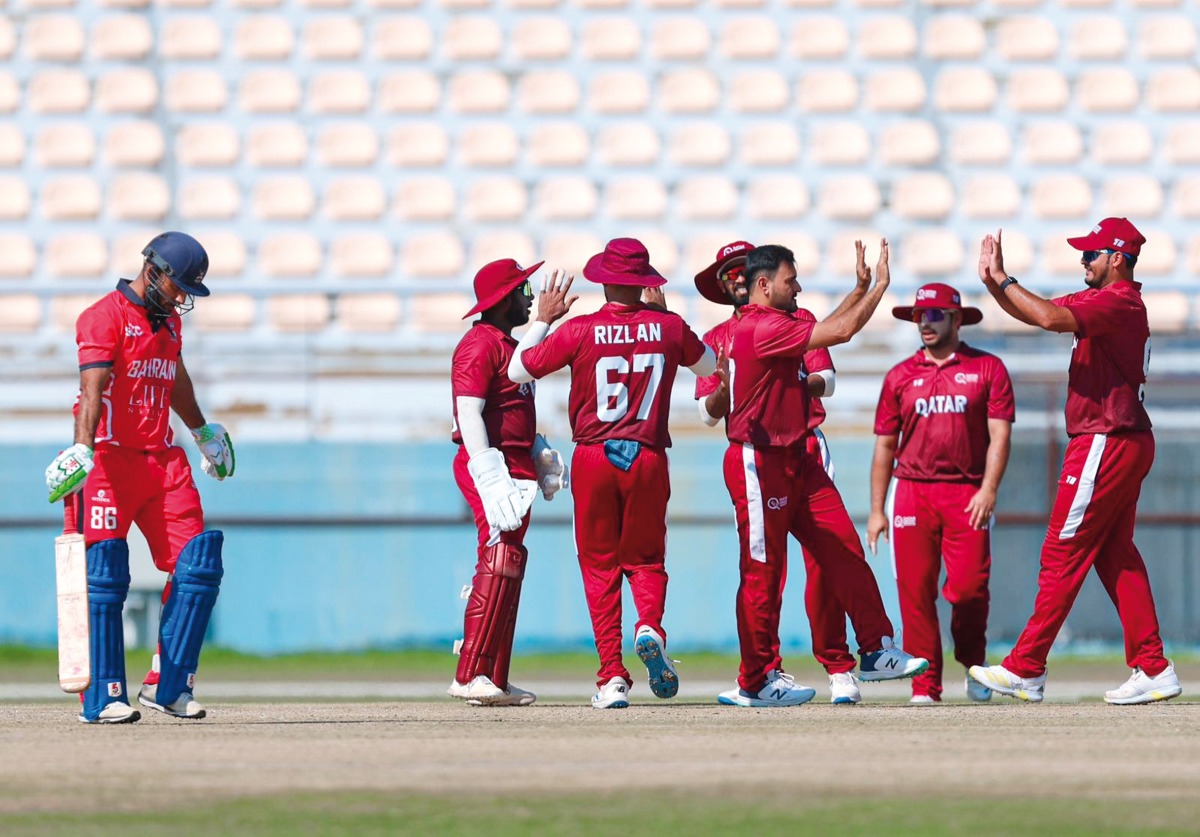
{"points": [[518, 314]]}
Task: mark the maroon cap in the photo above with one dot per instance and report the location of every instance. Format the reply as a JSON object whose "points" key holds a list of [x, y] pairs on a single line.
{"points": [[708, 281], [937, 295], [496, 280], [1111, 234], [623, 262]]}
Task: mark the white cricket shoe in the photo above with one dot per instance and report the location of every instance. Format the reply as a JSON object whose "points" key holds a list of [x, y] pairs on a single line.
{"points": [[512, 696], [889, 663], [1004, 682], [479, 688], [1142, 688], [976, 691], [613, 695], [185, 706], [650, 646], [781, 690], [923, 700], [115, 713], [843, 688]]}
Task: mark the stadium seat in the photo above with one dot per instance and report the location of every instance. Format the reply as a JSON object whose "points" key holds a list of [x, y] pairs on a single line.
{"points": [[1122, 143], [125, 251], [1106, 90], [1037, 90], [1061, 196], [700, 144], [418, 145], [628, 144], [1182, 143], [226, 253], [758, 91], [931, 252], [292, 254], [768, 144], [1051, 143], [306, 313], [394, 4], [990, 196], [548, 92], [951, 37], [20, 257], [333, 38], [964, 90], [819, 38], [887, 38], [1100, 38], [471, 38], [53, 37], [1193, 255], [900, 89], [12, 145], [358, 198], [690, 90], [1058, 257], [808, 257], [525, 4], [209, 198], [20, 313], [134, 144], [849, 197], [641, 198], [194, 38], [753, 38], [203, 144], [326, 4], [415, 91], [358, 255], [477, 91], [276, 144], [186, 4], [840, 143], [1159, 258], [439, 312], [490, 246], [121, 38], [10, 93], [269, 91], [827, 91], [558, 144], [374, 313], [588, 303], [602, 4], [983, 142], [618, 91], [488, 144], [64, 145], [1166, 37], [549, 39], [339, 92], [14, 198], [406, 38], [66, 308], [70, 198], [569, 251], [680, 39], [130, 90], [564, 198], [138, 196], [663, 250], [1026, 39], [1086, 4], [602, 39], [8, 38], [706, 198], [778, 197], [1018, 252], [1186, 196], [1169, 312], [425, 199], [196, 91], [1174, 90], [347, 145], [434, 255], [500, 198], [913, 142], [75, 255], [225, 313], [263, 38], [925, 196]]}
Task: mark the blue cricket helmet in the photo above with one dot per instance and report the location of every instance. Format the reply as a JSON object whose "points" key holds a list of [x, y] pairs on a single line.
{"points": [[181, 259]]}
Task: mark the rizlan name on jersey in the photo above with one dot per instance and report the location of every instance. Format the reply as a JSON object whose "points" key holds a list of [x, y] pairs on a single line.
{"points": [[610, 334]]}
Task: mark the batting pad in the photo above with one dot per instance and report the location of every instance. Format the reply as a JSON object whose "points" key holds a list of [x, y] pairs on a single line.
{"points": [[108, 585], [194, 589], [491, 611]]}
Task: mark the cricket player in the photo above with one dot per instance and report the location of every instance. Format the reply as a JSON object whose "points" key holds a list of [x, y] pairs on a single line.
{"points": [[942, 429], [132, 375], [501, 461], [723, 282], [623, 363], [778, 488], [1109, 454]]}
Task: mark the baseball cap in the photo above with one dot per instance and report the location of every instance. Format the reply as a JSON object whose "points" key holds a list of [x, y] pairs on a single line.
{"points": [[1111, 234], [937, 295], [181, 259]]}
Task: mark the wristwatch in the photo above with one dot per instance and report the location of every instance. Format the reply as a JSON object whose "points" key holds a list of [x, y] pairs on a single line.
{"points": [[1011, 280]]}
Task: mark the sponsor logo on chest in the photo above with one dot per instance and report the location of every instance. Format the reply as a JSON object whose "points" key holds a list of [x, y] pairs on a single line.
{"points": [[940, 404], [155, 367], [625, 333]]}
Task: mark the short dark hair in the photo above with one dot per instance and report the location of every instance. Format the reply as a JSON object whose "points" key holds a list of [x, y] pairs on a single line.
{"points": [[767, 259]]}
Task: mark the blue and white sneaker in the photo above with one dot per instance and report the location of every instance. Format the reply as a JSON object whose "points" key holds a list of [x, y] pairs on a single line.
{"points": [[664, 680], [976, 691], [843, 688], [1002, 681], [781, 690], [889, 663], [613, 695]]}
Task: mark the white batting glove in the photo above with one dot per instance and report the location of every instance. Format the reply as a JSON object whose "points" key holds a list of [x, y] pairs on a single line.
{"points": [[501, 498], [67, 473], [552, 472], [214, 442]]}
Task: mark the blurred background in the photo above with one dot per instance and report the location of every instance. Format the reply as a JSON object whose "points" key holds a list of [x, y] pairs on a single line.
{"points": [[349, 164]]}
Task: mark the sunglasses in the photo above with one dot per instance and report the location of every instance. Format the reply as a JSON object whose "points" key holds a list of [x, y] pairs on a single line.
{"points": [[1090, 256], [734, 273], [929, 315], [526, 289]]}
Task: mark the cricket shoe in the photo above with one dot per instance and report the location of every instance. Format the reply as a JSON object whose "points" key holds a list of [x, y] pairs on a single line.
{"points": [[512, 696], [923, 700], [889, 663], [115, 713], [185, 706], [664, 680], [843, 688], [1004, 682], [781, 690], [612, 695], [1142, 688], [976, 691], [480, 688]]}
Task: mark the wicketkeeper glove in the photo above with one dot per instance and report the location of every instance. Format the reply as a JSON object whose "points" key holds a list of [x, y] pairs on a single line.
{"points": [[499, 494], [68, 471], [214, 442], [552, 472]]}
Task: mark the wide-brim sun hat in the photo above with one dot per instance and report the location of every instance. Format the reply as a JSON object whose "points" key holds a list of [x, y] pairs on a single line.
{"points": [[708, 281], [496, 280], [625, 261]]}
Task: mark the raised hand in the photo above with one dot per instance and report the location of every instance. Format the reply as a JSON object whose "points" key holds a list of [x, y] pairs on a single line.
{"points": [[654, 298], [861, 271], [991, 258], [722, 372], [985, 257], [883, 271], [553, 302]]}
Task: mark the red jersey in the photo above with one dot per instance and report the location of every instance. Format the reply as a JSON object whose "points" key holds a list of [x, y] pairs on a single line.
{"points": [[941, 414], [480, 370], [143, 355], [1109, 361], [818, 360], [768, 400], [623, 362]]}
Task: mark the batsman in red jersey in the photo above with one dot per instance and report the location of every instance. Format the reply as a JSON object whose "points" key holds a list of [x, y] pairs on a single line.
{"points": [[623, 363], [128, 470], [724, 282], [942, 427], [778, 488], [500, 464], [1109, 454]]}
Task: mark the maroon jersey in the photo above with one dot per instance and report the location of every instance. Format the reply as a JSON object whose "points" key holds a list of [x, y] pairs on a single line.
{"points": [[768, 400], [480, 370], [941, 413], [623, 362], [1109, 361], [117, 332]]}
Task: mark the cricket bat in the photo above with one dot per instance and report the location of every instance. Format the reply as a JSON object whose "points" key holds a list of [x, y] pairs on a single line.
{"points": [[70, 563]]}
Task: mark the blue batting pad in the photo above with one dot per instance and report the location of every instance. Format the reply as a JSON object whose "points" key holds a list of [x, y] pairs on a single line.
{"points": [[185, 616], [108, 585]]}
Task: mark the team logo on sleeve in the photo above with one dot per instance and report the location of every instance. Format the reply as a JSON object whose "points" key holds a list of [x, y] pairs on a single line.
{"points": [[132, 330]]}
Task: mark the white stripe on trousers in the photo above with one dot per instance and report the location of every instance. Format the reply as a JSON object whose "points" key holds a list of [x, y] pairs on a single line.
{"points": [[754, 506], [889, 508], [1087, 485], [826, 456]]}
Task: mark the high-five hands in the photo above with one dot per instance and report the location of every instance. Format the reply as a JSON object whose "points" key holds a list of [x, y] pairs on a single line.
{"points": [[991, 258], [553, 302]]}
